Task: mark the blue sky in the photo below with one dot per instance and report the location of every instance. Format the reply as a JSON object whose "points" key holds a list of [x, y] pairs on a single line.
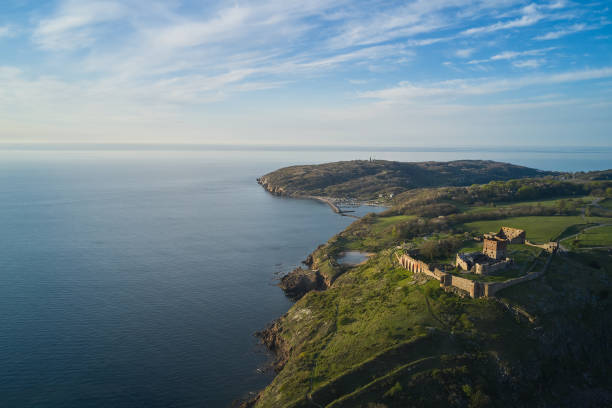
{"points": [[393, 73]]}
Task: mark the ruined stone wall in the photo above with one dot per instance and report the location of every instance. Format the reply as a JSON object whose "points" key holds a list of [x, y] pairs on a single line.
{"points": [[474, 288], [484, 269], [461, 263], [490, 289], [548, 247], [414, 265], [468, 285]]}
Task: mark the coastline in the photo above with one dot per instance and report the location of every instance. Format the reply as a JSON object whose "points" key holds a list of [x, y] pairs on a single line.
{"points": [[330, 201], [304, 280], [298, 337]]}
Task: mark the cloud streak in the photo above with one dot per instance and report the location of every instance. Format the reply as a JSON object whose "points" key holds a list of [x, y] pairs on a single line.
{"points": [[409, 92], [134, 60], [509, 55]]}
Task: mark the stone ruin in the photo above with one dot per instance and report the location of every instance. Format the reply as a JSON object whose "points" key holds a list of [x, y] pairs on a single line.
{"points": [[493, 256]]}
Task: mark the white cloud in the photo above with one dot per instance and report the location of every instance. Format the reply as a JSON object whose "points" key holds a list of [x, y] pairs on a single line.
{"points": [[553, 35], [409, 92], [72, 26], [141, 62], [529, 63], [465, 53], [508, 55], [409, 19], [531, 15], [191, 33], [6, 31]]}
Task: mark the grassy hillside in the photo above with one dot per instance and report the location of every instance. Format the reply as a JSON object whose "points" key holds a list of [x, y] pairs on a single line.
{"points": [[362, 179], [381, 336]]}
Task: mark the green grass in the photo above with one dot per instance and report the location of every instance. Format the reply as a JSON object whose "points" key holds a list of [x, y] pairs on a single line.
{"points": [[358, 342], [607, 203], [471, 246], [352, 341], [596, 237], [538, 229], [572, 230], [554, 202], [384, 222], [497, 276], [550, 203]]}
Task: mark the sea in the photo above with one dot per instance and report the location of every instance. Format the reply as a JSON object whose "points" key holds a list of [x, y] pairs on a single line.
{"points": [[136, 276]]}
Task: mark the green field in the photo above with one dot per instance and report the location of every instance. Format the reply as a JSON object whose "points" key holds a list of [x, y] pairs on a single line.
{"points": [[384, 222], [596, 237], [607, 203], [538, 229], [550, 203]]}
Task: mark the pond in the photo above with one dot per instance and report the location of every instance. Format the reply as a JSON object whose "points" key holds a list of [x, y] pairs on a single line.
{"points": [[352, 258]]}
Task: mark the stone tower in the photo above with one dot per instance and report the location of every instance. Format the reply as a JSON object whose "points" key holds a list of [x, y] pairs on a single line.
{"points": [[494, 248]]}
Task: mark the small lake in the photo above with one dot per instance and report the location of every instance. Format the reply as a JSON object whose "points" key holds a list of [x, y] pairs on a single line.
{"points": [[352, 258]]}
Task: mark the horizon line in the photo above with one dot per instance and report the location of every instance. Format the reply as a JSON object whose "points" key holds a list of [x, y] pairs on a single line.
{"points": [[109, 146]]}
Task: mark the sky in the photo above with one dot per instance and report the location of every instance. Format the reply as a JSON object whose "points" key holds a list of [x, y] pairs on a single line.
{"points": [[308, 72]]}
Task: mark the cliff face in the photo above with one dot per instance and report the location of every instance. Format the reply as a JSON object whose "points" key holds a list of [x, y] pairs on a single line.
{"points": [[271, 188]]}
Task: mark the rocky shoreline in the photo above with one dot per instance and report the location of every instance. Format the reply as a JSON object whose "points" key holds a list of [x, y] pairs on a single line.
{"points": [[301, 281], [295, 284]]}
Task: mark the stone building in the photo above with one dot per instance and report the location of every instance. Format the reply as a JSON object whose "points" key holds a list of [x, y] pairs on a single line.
{"points": [[495, 248], [512, 235]]}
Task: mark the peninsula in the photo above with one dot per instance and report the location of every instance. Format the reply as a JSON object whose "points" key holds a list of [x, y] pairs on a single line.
{"points": [[489, 286]]}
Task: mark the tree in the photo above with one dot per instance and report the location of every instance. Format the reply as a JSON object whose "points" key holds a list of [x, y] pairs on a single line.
{"points": [[562, 205], [429, 249], [526, 192]]}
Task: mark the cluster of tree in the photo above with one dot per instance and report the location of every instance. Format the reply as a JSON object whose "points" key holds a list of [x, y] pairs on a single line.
{"points": [[528, 189], [451, 223], [440, 248], [444, 201]]}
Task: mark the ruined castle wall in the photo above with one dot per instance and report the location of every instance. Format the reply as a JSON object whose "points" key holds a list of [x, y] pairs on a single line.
{"points": [[548, 247], [464, 284], [416, 266], [483, 269], [490, 289], [473, 288], [461, 263]]}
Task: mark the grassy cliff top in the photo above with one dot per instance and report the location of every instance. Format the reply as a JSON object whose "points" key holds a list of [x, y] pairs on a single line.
{"points": [[363, 179], [383, 337]]}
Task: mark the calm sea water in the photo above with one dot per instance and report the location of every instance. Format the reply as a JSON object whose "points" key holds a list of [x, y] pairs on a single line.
{"points": [[136, 279]]}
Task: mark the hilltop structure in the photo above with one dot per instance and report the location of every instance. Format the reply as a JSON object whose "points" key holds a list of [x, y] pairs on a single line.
{"points": [[493, 257], [510, 235], [494, 248], [494, 252]]}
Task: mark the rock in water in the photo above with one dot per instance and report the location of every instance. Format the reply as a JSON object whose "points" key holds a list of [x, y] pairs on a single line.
{"points": [[301, 281]]}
